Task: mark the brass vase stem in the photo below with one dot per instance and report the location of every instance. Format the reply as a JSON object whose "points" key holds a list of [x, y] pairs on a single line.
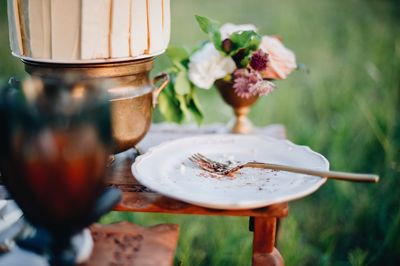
{"points": [[241, 124], [241, 107]]}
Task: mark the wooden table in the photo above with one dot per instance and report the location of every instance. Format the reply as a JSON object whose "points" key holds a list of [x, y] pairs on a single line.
{"points": [[128, 244], [137, 198]]}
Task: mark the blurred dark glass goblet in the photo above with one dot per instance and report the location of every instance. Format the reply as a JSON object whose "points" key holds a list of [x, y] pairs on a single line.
{"points": [[55, 140]]}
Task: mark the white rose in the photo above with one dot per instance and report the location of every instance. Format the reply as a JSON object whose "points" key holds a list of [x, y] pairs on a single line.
{"points": [[207, 65], [228, 28]]}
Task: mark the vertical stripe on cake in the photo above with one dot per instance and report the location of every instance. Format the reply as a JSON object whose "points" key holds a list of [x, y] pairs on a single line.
{"points": [[156, 26], [163, 15], [65, 29], [120, 28], [95, 29], [147, 51], [40, 28], [24, 26], [167, 27], [14, 23], [139, 28]]}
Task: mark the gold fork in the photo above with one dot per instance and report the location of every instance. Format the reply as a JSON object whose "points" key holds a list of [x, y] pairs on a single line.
{"points": [[228, 169]]}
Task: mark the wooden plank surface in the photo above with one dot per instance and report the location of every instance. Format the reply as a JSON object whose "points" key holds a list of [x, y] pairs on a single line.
{"points": [[153, 202], [129, 244]]}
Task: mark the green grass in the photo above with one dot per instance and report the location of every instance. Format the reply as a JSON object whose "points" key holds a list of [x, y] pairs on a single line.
{"points": [[347, 108]]}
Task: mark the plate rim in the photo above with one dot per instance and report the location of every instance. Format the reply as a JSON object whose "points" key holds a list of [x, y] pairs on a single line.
{"points": [[236, 206]]}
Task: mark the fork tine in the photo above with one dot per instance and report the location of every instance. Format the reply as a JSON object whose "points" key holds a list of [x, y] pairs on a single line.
{"points": [[192, 159], [202, 164], [197, 160], [212, 161], [203, 159], [213, 166], [198, 157]]}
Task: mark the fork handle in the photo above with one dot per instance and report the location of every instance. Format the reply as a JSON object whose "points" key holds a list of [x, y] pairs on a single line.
{"points": [[328, 174]]}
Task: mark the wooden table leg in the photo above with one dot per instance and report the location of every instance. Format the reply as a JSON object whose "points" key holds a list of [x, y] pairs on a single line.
{"points": [[264, 251]]}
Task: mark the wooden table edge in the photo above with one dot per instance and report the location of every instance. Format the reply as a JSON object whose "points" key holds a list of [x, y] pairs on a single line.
{"points": [[150, 202]]}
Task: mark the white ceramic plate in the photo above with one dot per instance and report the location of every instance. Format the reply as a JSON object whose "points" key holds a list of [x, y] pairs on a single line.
{"points": [[167, 170], [3, 203], [10, 214]]}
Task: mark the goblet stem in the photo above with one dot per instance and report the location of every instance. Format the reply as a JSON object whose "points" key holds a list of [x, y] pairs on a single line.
{"points": [[63, 254], [241, 107], [241, 123]]}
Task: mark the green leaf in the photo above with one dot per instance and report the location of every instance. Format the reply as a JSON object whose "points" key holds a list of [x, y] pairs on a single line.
{"points": [[196, 100], [211, 27], [169, 90], [207, 25], [171, 69], [183, 105], [195, 108], [182, 84], [180, 67], [248, 40], [169, 107], [245, 61], [177, 54]]}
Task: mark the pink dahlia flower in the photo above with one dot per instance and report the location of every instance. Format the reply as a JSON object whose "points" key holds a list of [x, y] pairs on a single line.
{"points": [[259, 60], [249, 83]]}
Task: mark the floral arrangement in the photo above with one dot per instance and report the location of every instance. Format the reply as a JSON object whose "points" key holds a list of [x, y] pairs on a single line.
{"points": [[233, 53]]}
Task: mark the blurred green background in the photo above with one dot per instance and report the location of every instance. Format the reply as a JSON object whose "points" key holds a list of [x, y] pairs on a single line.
{"points": [[347, 107]]}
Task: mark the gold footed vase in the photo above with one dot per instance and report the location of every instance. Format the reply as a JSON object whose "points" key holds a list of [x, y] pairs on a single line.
{"points": [[132, 93], [241, 107]]}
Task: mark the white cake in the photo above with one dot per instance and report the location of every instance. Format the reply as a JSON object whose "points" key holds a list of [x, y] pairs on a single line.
{"points": [[88, 30]]}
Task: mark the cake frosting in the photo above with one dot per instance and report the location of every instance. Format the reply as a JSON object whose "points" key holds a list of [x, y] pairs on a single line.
{"points": [[139, 27], [14, 27], [84, 30], [39, 10], [120, 29]]}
